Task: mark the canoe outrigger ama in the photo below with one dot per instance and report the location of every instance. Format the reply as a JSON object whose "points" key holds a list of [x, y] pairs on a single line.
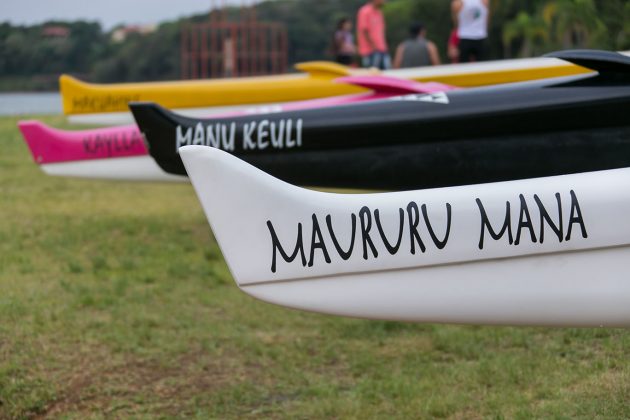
{"points": [[548, 251], [489, 134]]}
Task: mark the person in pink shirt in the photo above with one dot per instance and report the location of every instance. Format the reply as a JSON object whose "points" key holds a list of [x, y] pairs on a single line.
{"points": [[371, 36]]}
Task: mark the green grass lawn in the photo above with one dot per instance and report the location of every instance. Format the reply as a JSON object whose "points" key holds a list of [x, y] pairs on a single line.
{"points": [[115, 302]]}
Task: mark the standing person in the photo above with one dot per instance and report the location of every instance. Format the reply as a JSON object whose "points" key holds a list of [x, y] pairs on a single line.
{"points": [[417, 51], [343, 43], [371, 36], [471, 18]]}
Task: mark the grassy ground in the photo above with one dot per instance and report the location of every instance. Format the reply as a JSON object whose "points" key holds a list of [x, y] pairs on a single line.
{"points": [[115, 302]]}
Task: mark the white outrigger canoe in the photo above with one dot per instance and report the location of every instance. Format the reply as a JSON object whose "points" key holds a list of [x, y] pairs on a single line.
{"points": [[551, 251]]}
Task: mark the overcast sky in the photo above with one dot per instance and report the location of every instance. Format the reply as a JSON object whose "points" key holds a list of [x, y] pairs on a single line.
{"points": [[108, 12]]}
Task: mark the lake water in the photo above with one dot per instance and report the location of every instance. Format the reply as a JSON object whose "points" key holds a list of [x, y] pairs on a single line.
{"points": [[30, 103]]}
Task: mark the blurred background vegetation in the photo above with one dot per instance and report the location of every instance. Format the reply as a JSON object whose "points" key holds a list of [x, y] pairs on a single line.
{"points": [[31, 58]]}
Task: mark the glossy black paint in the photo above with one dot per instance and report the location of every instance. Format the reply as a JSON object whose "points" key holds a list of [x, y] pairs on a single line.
{"points": [[515, 131]]}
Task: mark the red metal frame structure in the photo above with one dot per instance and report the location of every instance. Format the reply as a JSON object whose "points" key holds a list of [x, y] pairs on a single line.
{"points": [[231, 48]]}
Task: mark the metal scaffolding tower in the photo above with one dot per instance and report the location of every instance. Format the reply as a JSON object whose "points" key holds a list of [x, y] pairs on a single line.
{"points": [[233, 43]]}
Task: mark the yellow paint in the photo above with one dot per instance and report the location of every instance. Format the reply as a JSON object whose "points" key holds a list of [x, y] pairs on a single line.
{"points": [[505, 76], [316, 81], [85, 98]]}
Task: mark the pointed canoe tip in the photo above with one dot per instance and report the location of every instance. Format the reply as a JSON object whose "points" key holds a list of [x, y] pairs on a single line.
{"points": [[65, 80], [204, 164], [192, 151], [33, 128], [32, 132], [142, 105], [326, 69], [30, 124], [192, 154], [601, 61], [144, 111]]}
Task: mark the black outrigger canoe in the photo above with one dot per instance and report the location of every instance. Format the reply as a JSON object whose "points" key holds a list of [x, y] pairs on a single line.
{"points": [[503, 132]]}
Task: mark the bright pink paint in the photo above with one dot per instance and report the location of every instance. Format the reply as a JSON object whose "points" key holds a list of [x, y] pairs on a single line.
{"points": [[50, 145], [391, 86]]}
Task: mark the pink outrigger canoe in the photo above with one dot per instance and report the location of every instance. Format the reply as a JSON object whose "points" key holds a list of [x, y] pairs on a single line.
{"points": [[120, 153]]}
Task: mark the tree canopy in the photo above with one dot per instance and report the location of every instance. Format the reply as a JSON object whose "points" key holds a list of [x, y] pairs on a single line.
{"points": [[518, 28]]}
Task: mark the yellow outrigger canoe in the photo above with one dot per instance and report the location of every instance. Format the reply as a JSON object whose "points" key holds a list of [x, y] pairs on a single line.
{"points": [[314, 81]]}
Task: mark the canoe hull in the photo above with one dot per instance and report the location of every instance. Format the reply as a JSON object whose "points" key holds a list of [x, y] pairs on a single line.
{"points": [[135, 168], [85, 98], [490, 134], [66, 149], [550, 251], [381, 87], [448, 163], [564, 289], [123, 118]]}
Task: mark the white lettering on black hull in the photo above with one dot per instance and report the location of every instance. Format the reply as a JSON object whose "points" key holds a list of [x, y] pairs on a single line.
{"points": [[256, 135], [220, 136], [437, 98], [417, 231]]}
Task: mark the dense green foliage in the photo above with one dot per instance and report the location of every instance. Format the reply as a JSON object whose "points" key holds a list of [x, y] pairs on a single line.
{"points": [[116, 303], [26, 51], [521, 28], [518, 28]]}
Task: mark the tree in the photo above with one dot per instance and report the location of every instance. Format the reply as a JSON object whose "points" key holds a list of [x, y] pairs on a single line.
{"points": [[573, 23], [517, 27], [530, 31]]}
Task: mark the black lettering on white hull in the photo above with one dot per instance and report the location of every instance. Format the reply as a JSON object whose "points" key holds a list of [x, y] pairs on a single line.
{"points": [[527, 222], [371, 240]]}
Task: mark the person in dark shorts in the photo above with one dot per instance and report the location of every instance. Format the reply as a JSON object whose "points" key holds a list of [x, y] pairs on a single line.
{"points": [[343, 45], [471, 18], [417, 51]]}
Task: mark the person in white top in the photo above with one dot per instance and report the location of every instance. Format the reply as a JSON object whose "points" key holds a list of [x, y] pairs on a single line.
{"points": [[471, 18]]}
